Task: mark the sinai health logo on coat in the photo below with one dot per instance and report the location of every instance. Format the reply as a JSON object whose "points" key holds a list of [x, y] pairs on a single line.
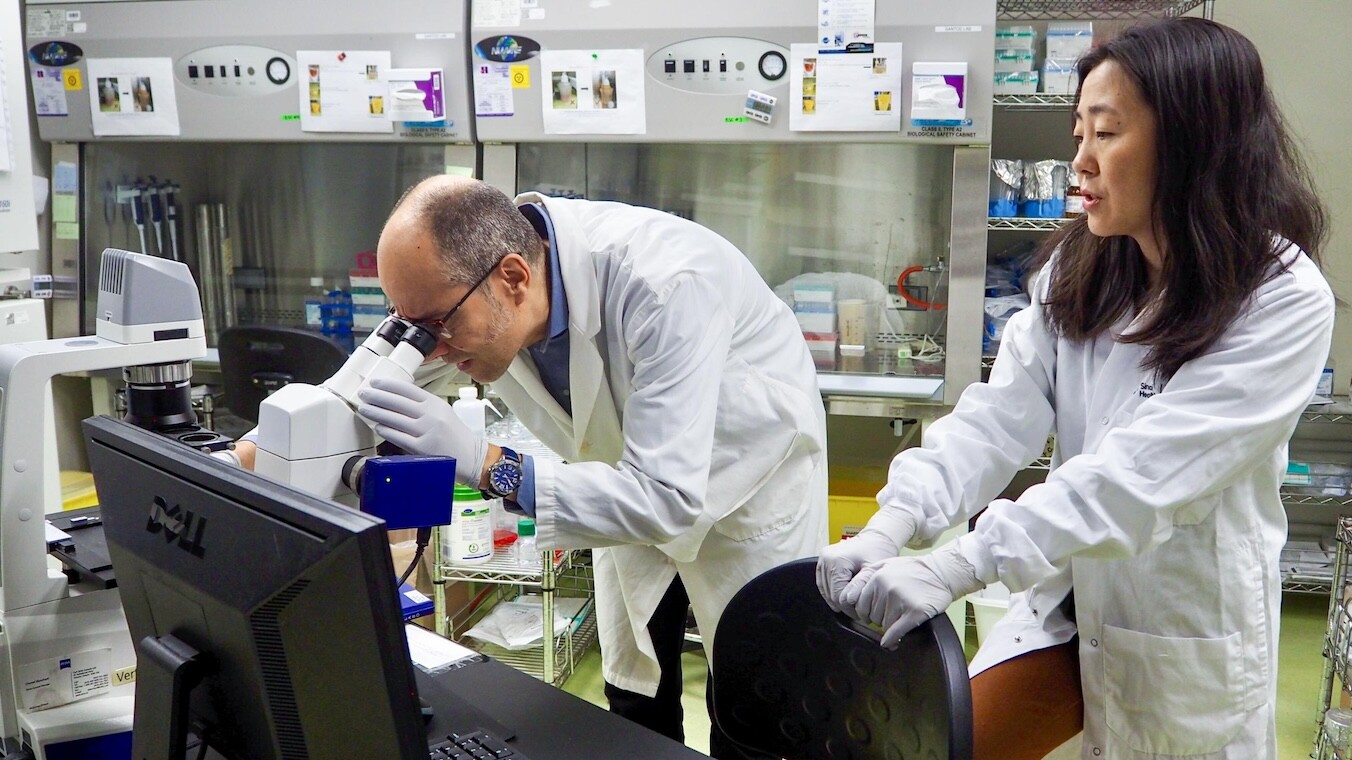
{"points": [[1146, 390]]}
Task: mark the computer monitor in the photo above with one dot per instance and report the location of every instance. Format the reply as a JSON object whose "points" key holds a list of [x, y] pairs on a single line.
{"points": [[287, 600]]}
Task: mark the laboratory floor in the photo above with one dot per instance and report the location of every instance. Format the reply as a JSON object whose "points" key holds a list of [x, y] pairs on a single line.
{"points": [[1300, 668]]}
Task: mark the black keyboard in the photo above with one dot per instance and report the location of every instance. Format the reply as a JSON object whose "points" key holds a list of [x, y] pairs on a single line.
{"points": [[476, 745]]}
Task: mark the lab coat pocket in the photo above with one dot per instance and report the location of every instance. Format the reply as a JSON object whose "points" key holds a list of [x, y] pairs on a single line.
{"points": [[781, 497], [1169, 696], [765, 457]]}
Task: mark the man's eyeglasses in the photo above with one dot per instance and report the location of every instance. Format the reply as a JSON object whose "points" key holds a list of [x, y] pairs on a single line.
{"points": [[441, 327]]}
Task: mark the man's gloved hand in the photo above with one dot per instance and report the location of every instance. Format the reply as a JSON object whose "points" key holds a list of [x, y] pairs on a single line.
{"points": [[901, 593], [421, 423], [882, 539]]}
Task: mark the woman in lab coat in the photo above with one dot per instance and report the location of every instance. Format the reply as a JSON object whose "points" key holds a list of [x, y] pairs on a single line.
{"points": [[1176, 334], [687, 407]]}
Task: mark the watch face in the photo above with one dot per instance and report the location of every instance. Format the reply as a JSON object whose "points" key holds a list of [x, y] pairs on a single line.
{"points": [[505, 476]]}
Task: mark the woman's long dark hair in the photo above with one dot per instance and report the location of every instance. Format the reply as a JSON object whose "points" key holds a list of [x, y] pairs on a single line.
{"points": [[1228, 179]]}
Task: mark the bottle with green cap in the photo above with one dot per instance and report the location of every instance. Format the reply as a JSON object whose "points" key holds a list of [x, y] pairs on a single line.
{"points": [[469, 540], [527, 554]]}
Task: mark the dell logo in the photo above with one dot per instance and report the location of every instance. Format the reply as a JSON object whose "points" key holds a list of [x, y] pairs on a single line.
{"points": [[177, 523]]}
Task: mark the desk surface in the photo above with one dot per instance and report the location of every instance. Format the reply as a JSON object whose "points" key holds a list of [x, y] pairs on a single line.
{"points": [[547, 723], [551, 724]]}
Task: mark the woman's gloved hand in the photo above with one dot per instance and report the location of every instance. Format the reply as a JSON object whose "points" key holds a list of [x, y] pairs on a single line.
{"points": [[421, 423], [903, 592], [882, 539]]}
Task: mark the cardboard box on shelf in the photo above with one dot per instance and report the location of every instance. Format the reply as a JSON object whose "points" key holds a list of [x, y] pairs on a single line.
{"points": [[403, 544]]}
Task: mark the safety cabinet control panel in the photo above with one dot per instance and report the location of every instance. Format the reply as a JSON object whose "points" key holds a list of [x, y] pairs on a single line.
{"points": [[720, 65], [235, 70]]}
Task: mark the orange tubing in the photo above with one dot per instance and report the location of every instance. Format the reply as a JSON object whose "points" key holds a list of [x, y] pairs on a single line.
{"points": [[910, 299]]}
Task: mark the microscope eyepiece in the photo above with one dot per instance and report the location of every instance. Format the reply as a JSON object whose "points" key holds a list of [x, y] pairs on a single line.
{"points": [[392, 330], [422, 339]]}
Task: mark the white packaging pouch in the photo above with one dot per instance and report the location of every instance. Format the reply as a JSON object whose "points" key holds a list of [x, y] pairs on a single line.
{"points": [[939, 93], [520, 624]]}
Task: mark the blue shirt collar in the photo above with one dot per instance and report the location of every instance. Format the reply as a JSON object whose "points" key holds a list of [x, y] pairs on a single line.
{"points": [[538, 217]]}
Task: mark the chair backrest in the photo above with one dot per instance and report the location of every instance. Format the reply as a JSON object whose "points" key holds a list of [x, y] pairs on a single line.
{"points": [[795, 679], [258, 359]]}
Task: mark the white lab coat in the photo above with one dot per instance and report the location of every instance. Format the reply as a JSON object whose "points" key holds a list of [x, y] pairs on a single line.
{"points": [[1162, 505], [698, 437]]}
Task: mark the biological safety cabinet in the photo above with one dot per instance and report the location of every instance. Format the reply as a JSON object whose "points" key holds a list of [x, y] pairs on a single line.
{"points": [[841, 146], [295, 125]]}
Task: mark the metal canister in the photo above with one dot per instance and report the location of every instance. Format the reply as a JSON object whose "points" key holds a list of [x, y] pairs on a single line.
{"points": [[226, 267], [208, 270]]}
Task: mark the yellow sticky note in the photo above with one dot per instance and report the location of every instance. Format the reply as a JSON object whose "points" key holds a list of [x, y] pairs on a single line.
{"points": [[520, 76], [65, 208], [73, 79], [461, 171], [67, 230]]}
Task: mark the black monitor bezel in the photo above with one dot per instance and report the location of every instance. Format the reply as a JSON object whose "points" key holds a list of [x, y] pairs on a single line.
{"points": [[331, 524]]}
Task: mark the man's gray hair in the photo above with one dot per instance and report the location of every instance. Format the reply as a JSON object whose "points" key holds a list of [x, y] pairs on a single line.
{"points": [[474, 226]]}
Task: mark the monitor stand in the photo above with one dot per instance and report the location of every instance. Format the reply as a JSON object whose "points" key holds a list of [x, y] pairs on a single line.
{"points": [[167, 671]]}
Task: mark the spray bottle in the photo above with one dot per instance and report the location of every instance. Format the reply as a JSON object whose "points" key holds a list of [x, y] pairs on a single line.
{"points": [[472, 410]]}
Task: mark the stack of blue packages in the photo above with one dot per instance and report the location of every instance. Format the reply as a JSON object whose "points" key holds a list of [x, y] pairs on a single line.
{"points": [[335, 316]]}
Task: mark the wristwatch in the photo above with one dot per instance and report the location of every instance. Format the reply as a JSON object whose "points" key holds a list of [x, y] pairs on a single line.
{"points": [[504, 475]]}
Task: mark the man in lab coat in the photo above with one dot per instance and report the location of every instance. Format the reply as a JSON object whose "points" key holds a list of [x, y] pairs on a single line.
{"points": [[648, 353]]}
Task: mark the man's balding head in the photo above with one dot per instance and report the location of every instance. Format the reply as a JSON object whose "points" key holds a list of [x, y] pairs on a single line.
{"points": [[448, 238], [467, 226], [442, 187]]}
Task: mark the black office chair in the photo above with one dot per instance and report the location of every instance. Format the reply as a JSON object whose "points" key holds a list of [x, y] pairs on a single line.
{"points": [[258, 359], [793, 678]]}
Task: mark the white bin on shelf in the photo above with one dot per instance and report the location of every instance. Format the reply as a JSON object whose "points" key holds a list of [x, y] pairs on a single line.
{"points": [[990, 604]]}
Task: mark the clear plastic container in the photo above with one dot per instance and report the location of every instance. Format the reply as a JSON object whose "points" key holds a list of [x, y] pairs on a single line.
{"points": [[1024, 37], [504, 530], [989, 605], [1337, 733], [527, 552]]}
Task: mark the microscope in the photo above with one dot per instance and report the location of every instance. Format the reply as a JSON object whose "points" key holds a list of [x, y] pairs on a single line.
{"points": [[311, 437], [149, 322]]}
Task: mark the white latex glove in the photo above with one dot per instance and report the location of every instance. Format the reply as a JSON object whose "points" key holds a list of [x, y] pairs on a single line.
{"points": [[901, 593], [886, 533], [421, 423]]}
